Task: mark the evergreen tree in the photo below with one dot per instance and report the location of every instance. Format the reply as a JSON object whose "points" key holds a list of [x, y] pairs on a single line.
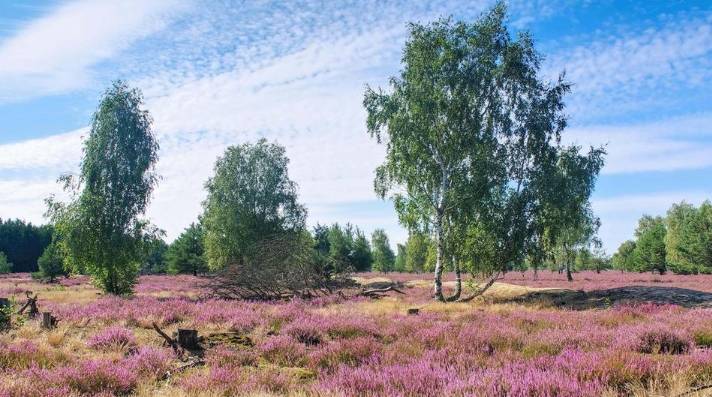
{"points": [[187, 254], [383, 256]]}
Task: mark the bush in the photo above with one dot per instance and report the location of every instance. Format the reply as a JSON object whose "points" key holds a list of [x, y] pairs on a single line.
{"points": [[51, 263], [703, 339], [5, 266], [112, 338], [662, 342]]}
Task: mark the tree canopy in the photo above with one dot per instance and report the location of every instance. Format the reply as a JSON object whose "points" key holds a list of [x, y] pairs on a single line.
{"points": [[472, 141], [250, 199], [99, 229]]}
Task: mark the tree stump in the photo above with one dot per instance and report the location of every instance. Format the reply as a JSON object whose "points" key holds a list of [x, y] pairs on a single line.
{"points": [[188, 338], [413, 311], [48, 320]]}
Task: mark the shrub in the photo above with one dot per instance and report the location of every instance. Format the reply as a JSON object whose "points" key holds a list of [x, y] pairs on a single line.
{"points": [[284, 351], [703, 339], [51, 263], [112, 338], [5, 266], [662, 342]]}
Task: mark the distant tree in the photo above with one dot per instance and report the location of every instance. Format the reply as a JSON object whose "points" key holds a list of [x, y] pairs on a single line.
{"points": [[5, 266], [624, 258], [187, 253], [348, 246], [154, 257], [23, 243], [51, 263], [649, 253], [472, 139], [340, 242], [416, 252], [361, 256], [592, 259], [688, 240], [383, 256], [250, 199], [100, 230], [568, 223], [399, 264], [321, 239]]}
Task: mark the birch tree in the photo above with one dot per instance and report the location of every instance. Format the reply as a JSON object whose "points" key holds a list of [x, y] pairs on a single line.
{"points": [[472, 136], [100, 230]]}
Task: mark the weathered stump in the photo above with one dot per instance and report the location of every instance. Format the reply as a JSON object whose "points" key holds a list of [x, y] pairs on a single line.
{"points": [[48, 320], [413, 311], [188, 338]]}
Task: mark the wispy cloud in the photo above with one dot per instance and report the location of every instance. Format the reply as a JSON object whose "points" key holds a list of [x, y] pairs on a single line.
{"points": [[675, 143], [627, 69], [55, 52]]}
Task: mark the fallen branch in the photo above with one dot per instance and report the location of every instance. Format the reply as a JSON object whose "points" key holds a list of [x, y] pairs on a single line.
{"points": [[31, 303], [171, 342], [375, 292]]}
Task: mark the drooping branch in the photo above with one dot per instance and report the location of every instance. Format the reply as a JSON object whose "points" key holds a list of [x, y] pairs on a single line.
{"points": [[482, 290]]}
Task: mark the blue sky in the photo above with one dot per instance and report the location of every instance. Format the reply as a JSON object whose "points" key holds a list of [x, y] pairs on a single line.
{"points": [[216, 73]]}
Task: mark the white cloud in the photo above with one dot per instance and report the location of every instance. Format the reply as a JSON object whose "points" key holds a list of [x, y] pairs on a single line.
{"points": [[55, 52], [676, 143], [620, 70], [58, 152]]}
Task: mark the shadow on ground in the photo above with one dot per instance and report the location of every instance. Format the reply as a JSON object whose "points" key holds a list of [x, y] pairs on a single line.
{"points": [[598, 299]]}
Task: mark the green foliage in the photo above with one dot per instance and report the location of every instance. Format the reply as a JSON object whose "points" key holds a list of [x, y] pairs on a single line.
{"points": [[567, 223], [688, 241], [649, 253], [250, 199], [587, 259], [23, 243], [51, 263], [321, 239], [416, 253], [99, 229], [187, 253], [154, 253], [348, 245], [472, 141], [383, 256], [399, 264], [624, 258], [5, 266]]}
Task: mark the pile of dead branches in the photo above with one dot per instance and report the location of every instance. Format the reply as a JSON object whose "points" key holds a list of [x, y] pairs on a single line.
{"points": [[281, 267]]}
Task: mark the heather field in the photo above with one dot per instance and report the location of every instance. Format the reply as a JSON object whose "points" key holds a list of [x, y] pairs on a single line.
{"points": [[500, 345]]}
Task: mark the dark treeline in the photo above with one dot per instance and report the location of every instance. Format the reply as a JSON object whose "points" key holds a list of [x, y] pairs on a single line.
{"points": [[23, 243]]}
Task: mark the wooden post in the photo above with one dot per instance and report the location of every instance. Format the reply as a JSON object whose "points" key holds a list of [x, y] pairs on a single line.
{"points": [[188, 338], [48, 320]]}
